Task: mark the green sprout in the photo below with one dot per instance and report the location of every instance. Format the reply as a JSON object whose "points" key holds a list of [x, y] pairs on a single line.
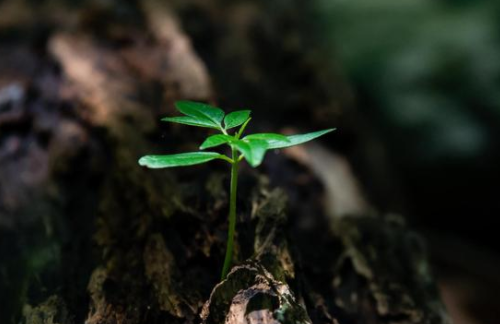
{"points": [[252, 148]]}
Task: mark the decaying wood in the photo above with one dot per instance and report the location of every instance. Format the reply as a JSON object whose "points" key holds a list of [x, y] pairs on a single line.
{"points": [[250, 294], [138, 246]]}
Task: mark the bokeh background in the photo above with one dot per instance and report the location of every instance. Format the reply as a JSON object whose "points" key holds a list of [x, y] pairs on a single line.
{"points": [[425, 77], [413, 87]]}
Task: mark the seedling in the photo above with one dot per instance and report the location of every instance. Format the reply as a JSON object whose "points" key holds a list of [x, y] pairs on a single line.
{"points": [[252, 148]]}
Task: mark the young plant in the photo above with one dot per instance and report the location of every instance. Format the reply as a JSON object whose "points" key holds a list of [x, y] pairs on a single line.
{"points": [[252, 148]]}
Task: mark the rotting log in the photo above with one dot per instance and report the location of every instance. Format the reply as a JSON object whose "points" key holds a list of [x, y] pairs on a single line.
{"points": [[117, 243]]}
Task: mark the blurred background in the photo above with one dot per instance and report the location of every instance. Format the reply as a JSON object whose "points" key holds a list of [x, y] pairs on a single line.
{"points": [[425, 77], [413, 87]]}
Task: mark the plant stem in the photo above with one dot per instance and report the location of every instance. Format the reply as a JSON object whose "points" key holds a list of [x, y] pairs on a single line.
{"points": [[232, 215]]}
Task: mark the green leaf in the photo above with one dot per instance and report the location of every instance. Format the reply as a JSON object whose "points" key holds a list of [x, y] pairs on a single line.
{"points": [[252, 150], [176, 160], [270, 138], [191, 121], [216, 140], [203, 113], [300, 138], [259, 149], [236, 118]]}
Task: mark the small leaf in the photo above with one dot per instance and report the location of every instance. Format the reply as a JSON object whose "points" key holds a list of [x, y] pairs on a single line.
{"points": [[300, 138], [216, 140], [259, 149], [204, 113], [244, 148], [191, 121], [236, 118], [252, 150], [270, 138], [175, 160]]}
